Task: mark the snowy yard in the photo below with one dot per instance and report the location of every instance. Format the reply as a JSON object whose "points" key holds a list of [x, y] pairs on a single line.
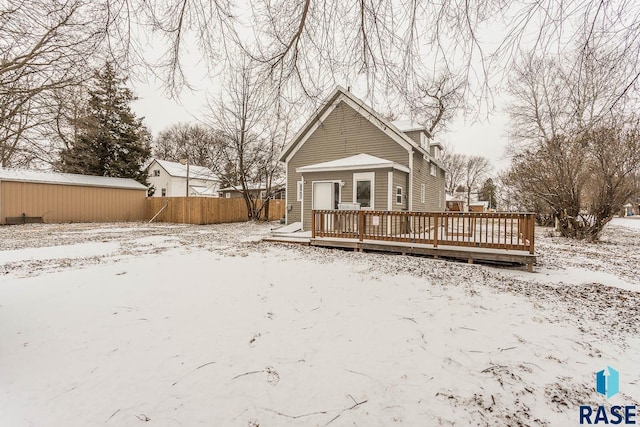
{"points": [[171, 325]]}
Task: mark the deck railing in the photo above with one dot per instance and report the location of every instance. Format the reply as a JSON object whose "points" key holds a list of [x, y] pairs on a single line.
{"points": [[490, 230]]}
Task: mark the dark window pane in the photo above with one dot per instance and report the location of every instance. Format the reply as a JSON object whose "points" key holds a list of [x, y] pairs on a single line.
{"points": [[363, 193]]}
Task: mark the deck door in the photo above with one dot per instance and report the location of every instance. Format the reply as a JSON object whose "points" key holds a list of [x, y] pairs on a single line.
{"points": [[322, 195]]}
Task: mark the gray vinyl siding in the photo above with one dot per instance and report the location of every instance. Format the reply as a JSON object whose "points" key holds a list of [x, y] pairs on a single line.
{"points": [[346, 192], [415, 135], [435, 195], [344, 133], [400, 179]]}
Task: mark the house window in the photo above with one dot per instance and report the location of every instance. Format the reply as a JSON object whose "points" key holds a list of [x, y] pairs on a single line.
{"points": [[227, 195], [164, 192], [399, 195], [423, 193], [423, 140], [434, 169], [263, 194], [437, 152], [300, 191], [363, 189], [156, 172]]}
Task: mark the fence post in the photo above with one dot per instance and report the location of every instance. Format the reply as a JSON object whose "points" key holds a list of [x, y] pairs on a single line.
{"points": [[361, 225], [436, 230]]}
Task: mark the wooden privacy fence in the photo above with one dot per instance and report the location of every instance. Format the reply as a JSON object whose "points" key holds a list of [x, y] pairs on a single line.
{"points": [[204, 210], [491, 230]]}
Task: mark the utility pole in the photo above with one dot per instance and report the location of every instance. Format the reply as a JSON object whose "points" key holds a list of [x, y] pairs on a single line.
{"points": [[185, 161], [187, 176]]}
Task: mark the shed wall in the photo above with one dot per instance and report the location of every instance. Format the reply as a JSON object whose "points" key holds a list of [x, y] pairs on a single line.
{"points": [[70, 203]]}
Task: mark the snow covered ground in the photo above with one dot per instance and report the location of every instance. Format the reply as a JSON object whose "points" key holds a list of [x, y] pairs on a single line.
{"points": [[175, 325]]}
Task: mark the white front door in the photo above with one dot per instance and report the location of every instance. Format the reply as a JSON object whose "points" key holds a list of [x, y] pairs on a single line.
{"points": [[322, 196]]}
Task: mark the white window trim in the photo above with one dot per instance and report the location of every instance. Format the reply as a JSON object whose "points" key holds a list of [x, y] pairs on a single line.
{"points": [[365, 176], [299, 191], [423, 193], [227, 195], [433, 169], [263, 194], [401, 191]]}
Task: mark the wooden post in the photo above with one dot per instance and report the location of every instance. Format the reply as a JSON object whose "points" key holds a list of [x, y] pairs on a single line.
{"points": [[532, 232], [436, 230], [361, 225], [313, 224]]}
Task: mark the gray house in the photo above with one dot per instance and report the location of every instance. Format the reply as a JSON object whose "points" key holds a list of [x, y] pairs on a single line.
{"points": [[348, 156]]}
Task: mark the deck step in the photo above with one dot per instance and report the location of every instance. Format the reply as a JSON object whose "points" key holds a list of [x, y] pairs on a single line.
{"points": [[287, 229]]}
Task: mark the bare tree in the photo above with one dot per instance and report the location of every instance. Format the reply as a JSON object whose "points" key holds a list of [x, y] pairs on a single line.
{"points": [[253, 130], [455, 165], [436, 102], [393, 45], [193, 141], [579, 140], [464, 171], [45, 48], [475, 171]]}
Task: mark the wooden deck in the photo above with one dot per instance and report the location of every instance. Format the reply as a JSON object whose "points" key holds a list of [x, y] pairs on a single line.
{"points": [[502, 237]]}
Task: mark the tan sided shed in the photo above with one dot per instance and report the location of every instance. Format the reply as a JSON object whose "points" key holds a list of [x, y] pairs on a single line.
{"points": [[37, 196]]}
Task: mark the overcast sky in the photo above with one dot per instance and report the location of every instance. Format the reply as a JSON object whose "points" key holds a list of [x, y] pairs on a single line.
{"points": [[484, 138]]}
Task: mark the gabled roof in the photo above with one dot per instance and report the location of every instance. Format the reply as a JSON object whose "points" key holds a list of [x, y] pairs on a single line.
{"points": [[359, 161], [44, 177], [337, 96], [179, 170]]}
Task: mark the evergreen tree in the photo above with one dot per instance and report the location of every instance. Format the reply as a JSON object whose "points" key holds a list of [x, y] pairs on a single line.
{"points": [[488, 193], [112, 140]]}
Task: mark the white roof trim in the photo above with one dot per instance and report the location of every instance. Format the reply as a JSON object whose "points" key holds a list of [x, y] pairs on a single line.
{"points": [[357, 162]]}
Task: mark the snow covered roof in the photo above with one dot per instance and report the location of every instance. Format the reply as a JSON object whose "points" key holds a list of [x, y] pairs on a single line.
{"points": [[179, 170], [359, 161], [408, 125], [44, 177], [204, 191], [250, 187]]}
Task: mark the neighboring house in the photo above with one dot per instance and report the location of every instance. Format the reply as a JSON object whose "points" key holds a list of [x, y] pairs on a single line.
{"points": [[628, 210], [348, 153], [479, 206], [257, 191], [456, 204], [169, 179]]}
